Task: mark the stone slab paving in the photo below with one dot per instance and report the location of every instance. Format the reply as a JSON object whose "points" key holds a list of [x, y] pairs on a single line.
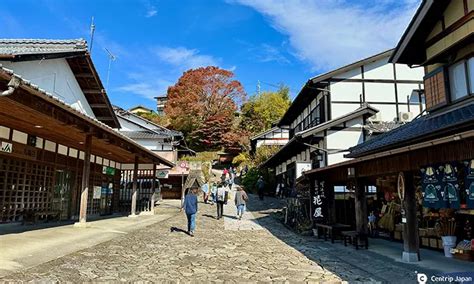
{"points": [[256, 249]]}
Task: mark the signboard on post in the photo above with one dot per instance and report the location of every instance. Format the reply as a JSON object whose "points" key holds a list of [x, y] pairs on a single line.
{"points": [[318, 200]]}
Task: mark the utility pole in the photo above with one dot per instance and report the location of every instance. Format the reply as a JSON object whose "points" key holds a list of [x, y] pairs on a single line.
{"points": [[258, 87], [111, 58], [92, 29]]}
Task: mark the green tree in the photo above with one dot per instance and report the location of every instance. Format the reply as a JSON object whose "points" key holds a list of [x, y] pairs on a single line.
{"points": [[263, 109]]}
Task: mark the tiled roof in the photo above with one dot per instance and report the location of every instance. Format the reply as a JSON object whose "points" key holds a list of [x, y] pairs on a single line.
{"points": [[41, 46], [145, 134], [64, 105], [418, 130]]}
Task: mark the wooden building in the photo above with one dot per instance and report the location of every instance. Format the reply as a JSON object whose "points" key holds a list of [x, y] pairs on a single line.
{"points": [[60, 156], [424, 168], [342, 108], [274, 136]]}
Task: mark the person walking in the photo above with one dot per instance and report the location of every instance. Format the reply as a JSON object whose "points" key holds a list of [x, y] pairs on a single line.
{"points": [[190, 206], [221, 200], [260, 187], [205, 192], [240, 201], [213, 193]]}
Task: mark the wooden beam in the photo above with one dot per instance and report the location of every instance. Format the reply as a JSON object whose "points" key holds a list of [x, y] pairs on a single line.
{"points": [[99, 106], [85, 180], [100, 118], [360, 208], [91, 91], [84, 75], [411, 241], [134, 189]]}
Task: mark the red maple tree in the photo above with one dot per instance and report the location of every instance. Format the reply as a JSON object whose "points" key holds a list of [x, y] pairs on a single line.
{"points": [[202, 105]]}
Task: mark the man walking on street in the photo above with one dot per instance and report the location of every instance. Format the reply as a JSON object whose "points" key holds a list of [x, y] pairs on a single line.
{"points": [[240, 201], [260, 187], [190, 206], [221, 199]]}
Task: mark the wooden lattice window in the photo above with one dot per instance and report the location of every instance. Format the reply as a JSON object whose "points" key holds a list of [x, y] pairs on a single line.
{"points": [[435, 89]]}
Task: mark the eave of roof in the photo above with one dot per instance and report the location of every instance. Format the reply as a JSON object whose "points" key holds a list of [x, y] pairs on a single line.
{"points": [[61, 104], [75, 52], [265, 132], [422, 129], [364, 110], [408, 49]]}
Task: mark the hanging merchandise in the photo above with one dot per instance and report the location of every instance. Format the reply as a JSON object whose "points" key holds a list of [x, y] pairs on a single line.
{"points": [[432, 186], [451, 186], [469, 183]]}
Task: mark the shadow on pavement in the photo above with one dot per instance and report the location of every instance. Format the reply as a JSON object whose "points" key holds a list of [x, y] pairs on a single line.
{"points": [[346, 262], [179, 230], [209, 216]]}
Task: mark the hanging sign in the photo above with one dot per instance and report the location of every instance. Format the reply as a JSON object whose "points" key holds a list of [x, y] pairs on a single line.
{"points": [[451, 185], [319, 202], [469, 183], [6, 147], [432, 187], [108, 171], [162, 173], [97, 192]]}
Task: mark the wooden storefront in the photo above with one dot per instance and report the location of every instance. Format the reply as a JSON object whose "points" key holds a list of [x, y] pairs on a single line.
{"points": [[46, 149]]}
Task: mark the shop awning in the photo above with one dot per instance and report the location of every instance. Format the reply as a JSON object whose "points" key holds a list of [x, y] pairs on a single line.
{"points": [[32, 110]]}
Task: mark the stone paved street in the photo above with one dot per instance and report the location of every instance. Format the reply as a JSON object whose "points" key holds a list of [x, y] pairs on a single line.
{"points": [[257, 248]]}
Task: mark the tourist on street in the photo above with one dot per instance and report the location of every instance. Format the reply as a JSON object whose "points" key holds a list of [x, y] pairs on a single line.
{"points": [[205, 192], [221, 200], [213, 193], [240, 201], [190, 206], [260, 187]]}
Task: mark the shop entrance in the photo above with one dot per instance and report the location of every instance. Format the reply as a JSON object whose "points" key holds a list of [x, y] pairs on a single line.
{"points": [[61, 201]]}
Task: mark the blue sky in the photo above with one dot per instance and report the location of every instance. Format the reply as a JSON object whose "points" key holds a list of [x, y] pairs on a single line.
{"points": [[272, 41]]}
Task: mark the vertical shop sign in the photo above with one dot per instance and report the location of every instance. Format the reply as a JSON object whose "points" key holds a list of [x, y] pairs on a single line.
{"points": [[319, 202], [469, 183]]}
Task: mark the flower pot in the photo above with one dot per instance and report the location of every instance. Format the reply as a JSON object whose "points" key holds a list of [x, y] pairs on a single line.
{"points": [[449, 242]]}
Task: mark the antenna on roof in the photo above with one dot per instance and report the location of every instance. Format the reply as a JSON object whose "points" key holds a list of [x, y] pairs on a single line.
{"points": [[112, 57], [258, 87], [92, 34]]}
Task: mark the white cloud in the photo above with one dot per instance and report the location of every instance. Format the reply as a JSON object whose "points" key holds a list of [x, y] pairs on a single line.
{"points": [[151, 12], [184, 58], [147, 89], [330, 33]]}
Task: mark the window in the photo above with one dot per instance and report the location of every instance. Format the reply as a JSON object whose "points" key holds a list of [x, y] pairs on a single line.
{"points": [[470, 68], [457, 80]]}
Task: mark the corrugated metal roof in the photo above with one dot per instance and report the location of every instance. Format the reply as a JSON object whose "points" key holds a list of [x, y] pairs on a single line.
{"points": [[418, 130], [41, 46]]}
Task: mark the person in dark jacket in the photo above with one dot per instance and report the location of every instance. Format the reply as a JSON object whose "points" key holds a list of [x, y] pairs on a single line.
{"points": [[190, 206]]}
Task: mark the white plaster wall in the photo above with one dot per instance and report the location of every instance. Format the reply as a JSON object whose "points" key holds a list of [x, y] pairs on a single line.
{"points": [[405, 90], [338, 110], [336, 158], [380, 92], [302, 167], [346, 91], [351, 74], [356, 122], [388, 112], [56, 77], [128, 126], [406, 73], [379, 69], [343, 139]]}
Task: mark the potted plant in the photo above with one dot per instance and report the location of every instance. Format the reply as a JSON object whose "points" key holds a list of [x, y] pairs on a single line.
{"points": [[446, 230]]}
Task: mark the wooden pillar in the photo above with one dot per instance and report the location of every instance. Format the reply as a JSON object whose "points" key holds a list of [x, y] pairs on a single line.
{"points": [[134, 188], [153, 195], [411, 241], [360, 208], [86, 169]]}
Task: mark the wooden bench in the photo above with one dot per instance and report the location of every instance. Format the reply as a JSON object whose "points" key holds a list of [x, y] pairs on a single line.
{"points": [[332, 230], [33, 216], [355, 238]]}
